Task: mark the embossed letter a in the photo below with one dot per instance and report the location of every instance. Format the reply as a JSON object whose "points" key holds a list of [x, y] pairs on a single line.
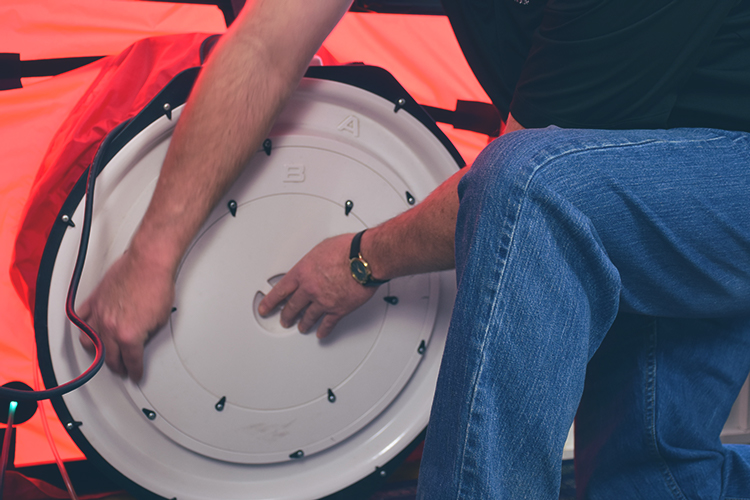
{"points": [[351, 125]]}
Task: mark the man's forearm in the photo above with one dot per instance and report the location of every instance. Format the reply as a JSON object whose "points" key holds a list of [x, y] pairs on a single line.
{"points": [[419, 240], [423, 238], [321, 284], [240, 92]]}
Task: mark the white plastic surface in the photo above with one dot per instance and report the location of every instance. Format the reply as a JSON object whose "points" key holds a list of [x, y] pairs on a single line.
{"points": [[333, 143]]}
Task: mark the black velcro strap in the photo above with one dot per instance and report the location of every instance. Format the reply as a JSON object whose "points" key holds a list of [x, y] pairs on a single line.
{"points": [[10, 71], [12, 68], [476, 116]]}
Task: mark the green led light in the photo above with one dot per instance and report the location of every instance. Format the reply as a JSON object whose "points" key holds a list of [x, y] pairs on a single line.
{"points": [[13, 405]]}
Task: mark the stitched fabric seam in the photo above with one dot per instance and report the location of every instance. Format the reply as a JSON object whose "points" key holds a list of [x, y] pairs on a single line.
{"points": [[651, 415]]}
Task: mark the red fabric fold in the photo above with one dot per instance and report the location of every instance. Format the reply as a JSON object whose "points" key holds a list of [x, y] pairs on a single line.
{"points": [[126, 84]]}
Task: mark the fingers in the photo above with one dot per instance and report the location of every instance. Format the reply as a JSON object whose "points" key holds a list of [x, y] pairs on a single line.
{"points": [[112, 355], [285, 289], [318, 286], [311, 316], [299, 303], [311, 312], [122, 355], [326, 326], [86, 342], [129, 302], [294, 306], [132, 359], [278, 294], [84, 311]]}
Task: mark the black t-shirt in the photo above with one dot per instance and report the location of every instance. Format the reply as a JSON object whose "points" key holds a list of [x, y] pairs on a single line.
{"points": [[611, 63]]}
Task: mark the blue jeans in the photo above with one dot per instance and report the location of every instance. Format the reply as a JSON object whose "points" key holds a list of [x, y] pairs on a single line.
{"points": [[605, 273]]}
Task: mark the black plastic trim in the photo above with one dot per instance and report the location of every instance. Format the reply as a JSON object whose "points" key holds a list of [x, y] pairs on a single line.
{"points": [[419, 7], [226, 7]]}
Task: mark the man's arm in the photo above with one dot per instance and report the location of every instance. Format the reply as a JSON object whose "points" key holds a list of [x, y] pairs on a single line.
{"points": [[419, 240], [320, 284], [512, 125], [250, 75]]}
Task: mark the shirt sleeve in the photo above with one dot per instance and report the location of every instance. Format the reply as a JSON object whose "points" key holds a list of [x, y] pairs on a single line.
{"points": [[495, 37], [612, 63]]}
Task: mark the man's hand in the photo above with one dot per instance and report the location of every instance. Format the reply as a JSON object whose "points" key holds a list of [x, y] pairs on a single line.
{"points": [[132, 302], [319, 285]]}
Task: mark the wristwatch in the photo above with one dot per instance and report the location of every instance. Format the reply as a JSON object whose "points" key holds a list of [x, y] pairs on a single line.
{"points": [[359, 267]]}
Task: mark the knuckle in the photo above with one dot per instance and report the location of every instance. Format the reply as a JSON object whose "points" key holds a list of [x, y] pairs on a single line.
{"points": [[108, 322]]}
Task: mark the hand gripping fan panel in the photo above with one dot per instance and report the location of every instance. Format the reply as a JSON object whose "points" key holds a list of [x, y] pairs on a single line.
{"points": [[232, 405]]}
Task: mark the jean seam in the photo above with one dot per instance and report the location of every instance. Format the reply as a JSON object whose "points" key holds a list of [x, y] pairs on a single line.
{"points": [[509, 228], [651, 414]]}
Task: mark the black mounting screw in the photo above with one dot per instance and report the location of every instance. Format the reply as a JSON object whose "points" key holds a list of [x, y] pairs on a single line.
{"points": [[174, 309], [167, 110], [410, 198], [348, 207], [391, 300], [331, 396], [67, 220], [422, 347], [220, 405], [150, 414], [267, 145], [399, 104], [232, 206], [297, 454]]}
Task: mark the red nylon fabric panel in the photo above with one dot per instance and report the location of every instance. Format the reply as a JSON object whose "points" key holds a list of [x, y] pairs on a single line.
{"points": [[29, 118], [28, 121], [40, 29]]}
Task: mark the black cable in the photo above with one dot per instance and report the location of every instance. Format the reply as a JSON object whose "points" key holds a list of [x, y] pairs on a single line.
{"points": [[20, 395]]}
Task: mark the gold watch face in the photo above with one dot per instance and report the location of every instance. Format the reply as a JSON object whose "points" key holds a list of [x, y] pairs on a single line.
{"points": [[359, 270]]}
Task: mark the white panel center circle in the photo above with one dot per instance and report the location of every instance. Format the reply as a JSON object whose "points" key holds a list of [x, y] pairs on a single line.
{"points": [[227, 351]]}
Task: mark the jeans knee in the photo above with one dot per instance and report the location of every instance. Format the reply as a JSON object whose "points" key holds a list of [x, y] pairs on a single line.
{"points": [[507, 166]]}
